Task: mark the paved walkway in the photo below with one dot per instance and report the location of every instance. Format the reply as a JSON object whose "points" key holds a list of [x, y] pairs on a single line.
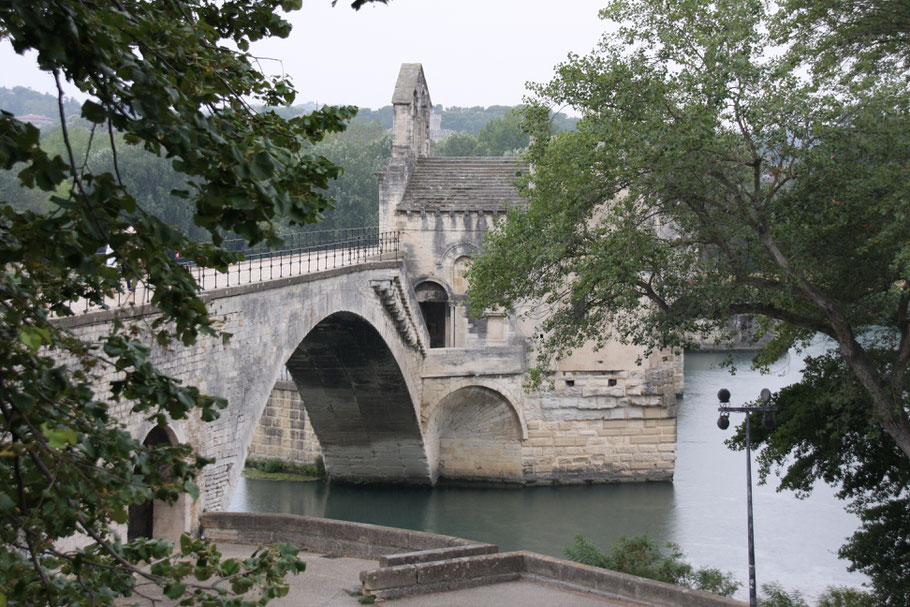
{"points": [[332, 582]]}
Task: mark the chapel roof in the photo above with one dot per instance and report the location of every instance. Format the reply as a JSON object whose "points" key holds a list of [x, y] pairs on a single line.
{"points": [[463, 184]]}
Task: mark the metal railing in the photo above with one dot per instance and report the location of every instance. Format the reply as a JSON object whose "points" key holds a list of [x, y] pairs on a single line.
{"points": [[301, 253]]}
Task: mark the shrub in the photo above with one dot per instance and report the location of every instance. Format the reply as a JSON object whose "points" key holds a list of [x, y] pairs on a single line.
{"points": [[272, 465], [640, 556], [841, 596], [774, 595]]}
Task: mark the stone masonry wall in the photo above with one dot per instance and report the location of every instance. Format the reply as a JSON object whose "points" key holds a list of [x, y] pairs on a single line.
{"points": [[284, 430], [602, 427]]}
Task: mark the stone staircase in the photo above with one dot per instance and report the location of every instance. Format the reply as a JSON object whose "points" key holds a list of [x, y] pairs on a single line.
{"points": [[463, 184]]}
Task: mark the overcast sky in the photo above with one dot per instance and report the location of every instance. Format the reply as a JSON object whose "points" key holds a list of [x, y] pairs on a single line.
{"points": [[474, 52]]}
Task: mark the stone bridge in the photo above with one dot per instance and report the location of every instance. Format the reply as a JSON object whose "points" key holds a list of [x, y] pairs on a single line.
{"points": [[398, 382]]}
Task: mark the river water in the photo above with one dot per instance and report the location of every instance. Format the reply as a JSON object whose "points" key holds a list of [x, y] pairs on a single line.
{"points": [[703, 510]]}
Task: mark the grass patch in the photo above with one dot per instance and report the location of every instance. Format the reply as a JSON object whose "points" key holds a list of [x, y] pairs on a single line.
{"points": [[277, 470], [260, 475]]}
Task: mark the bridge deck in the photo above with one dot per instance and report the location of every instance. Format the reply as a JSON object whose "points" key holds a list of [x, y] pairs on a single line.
{"points": [[263, 265]]}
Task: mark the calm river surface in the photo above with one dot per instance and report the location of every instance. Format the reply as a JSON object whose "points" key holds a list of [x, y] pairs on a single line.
{"points": [[703, 510]]}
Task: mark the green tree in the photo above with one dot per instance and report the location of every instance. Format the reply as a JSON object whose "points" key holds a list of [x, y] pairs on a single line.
{"points": [[706, 179], [362, 150], [504, 136], [458, 144], [775, 595], [841, 596], [852, 36], [163, 74]]}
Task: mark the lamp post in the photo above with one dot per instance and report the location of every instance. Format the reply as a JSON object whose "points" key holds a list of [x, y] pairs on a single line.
{"points": [[723, 422]]}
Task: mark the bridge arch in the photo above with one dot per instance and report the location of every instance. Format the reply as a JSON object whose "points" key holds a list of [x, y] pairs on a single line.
{"points": [[268, 325], [357, 399], [474, 433]]}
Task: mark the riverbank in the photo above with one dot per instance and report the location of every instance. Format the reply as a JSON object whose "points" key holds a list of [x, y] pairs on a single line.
{"points": [[274, 469]]}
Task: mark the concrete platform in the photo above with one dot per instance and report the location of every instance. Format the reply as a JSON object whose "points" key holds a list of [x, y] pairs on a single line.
{"points": [[409, 567], [328, 582]]}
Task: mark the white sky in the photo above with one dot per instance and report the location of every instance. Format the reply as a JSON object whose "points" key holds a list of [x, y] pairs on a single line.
{"points": [[474, 52]]}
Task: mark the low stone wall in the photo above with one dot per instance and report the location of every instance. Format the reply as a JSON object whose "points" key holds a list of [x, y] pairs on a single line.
{"points": [[284, 431], [416, 562], [324, 535], [465, 572]]}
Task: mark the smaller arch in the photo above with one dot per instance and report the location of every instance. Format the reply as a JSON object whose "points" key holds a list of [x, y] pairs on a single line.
{"points": [[474, 434], [156, 518], [459, 249], [510, 397]]}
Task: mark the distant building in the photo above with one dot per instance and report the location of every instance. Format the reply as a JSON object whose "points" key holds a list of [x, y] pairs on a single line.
{"points": [[38, 120], [436, 130]]}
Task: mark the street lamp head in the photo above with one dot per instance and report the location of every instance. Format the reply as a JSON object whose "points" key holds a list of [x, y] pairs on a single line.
{"points": [[766, 395], [723, 395], [723, 422]]}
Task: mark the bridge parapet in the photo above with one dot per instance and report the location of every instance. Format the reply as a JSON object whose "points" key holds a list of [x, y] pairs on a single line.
{"points": [[301, 253]]}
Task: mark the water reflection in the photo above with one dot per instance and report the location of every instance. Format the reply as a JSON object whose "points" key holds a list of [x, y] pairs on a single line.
{"points": [[543, 519], [796, 541]]}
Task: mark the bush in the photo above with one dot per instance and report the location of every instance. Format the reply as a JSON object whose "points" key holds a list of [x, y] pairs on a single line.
{"points": [[276, 466], [272, 465], [640, 556], [774, 595], [841, 596]]}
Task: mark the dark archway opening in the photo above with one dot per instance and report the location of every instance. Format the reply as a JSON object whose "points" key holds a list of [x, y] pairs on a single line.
{"points": [[142, 516], [358, 402], [434, 307]]}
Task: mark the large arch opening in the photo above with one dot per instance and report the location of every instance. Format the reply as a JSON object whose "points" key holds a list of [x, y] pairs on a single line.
{"points": [[358, 403], [477, 436], [155, 518], [434, 306]]}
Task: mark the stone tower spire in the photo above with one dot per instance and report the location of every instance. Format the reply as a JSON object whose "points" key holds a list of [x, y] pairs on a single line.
{"points": [[411, 101], [410, 139]]}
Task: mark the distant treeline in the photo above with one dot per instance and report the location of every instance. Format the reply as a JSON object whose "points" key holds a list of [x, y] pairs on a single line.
{"points": [[362, 150], [21, 100]]}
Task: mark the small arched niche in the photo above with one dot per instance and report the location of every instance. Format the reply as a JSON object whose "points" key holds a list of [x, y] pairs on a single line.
{"points": [[155, 518], [459, 281], [434, 306]]}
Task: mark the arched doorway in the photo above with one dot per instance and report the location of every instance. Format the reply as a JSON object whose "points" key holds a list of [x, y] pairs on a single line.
{"points": [[155, 518], [434, 306]]}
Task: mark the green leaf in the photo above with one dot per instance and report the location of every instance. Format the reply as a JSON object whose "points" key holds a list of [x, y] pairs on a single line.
{"points": [[59, 438], [93, 112], [174, 591], [119, 515], [31, 337]]}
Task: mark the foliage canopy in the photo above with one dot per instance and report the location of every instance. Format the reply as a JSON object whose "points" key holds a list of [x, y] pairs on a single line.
{"points": [[714, 173], [706, 180], [163, 75]]}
